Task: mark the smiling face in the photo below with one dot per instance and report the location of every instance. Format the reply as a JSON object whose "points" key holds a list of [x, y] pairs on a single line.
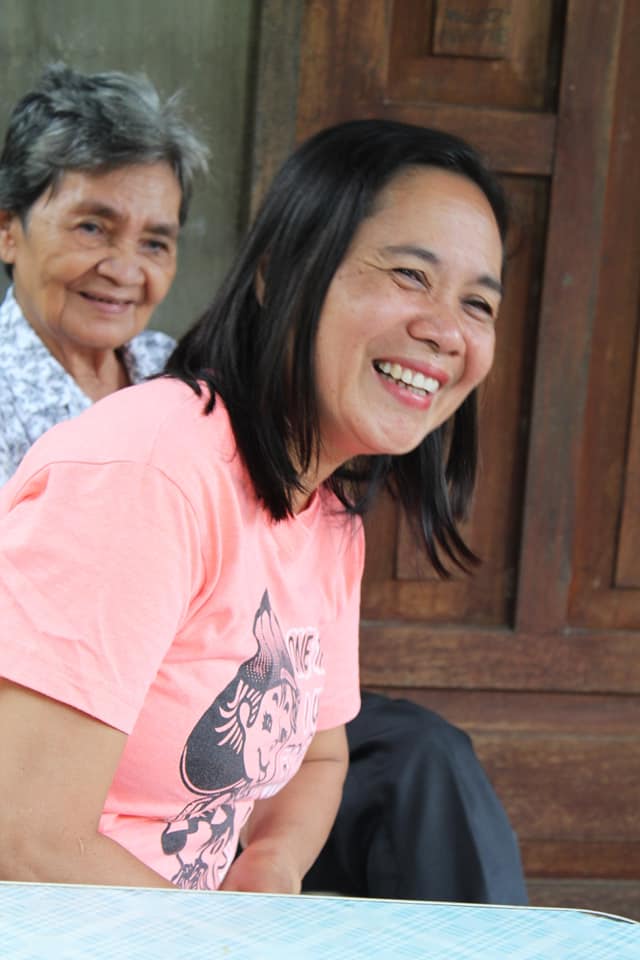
{"points": [[95, 256], [407, 327]]}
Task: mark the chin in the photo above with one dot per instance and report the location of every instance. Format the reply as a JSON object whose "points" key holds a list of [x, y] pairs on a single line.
{"points": [[395, 448]]}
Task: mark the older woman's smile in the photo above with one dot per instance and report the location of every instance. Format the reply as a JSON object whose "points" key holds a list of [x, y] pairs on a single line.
{"points": [[107, 301]]}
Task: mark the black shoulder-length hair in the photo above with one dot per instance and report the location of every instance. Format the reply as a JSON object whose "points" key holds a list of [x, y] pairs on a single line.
{"points": [[256, 348]]}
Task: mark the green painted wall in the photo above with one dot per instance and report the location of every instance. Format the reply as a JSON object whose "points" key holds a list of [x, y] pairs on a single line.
{"points": [[205, 48]]}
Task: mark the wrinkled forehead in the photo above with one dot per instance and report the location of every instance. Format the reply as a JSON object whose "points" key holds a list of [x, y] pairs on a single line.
{"points": [[152, 191]]}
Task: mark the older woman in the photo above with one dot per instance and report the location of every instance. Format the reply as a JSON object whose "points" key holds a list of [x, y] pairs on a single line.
{"points": [[95, 181], [179, 576]]}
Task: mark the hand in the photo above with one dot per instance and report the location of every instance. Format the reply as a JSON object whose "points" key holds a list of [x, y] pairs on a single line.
{"points": [[262, 868]]}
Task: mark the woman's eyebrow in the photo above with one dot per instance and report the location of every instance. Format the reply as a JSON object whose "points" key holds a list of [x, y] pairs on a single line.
{"points": [[486, 280], [106, 212], [409, 248], [428, 256]]}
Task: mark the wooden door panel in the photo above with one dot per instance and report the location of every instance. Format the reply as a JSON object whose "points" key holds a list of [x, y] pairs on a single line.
{"points": [[503, 53], [347, 70], [567, 315], [346, 73], [606, 562], [362, 83], [343, 66]]}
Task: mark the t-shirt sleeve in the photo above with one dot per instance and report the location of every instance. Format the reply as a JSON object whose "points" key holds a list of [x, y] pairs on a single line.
{"points": [[340, 701], [98, 566]]}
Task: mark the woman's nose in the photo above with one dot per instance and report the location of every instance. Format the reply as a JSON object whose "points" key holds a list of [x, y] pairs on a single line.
{"points": [[121, 268], [440, 327]]}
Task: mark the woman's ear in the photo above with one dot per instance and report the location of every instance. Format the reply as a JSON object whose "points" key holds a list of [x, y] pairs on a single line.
{"points": [[9, 223]]}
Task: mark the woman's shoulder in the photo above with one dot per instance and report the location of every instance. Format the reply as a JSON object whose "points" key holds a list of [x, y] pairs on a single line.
{"points": [[160, 424]]}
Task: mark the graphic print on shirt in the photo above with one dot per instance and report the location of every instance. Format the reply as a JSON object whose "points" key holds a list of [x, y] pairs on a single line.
{"points": [[248, 744]]}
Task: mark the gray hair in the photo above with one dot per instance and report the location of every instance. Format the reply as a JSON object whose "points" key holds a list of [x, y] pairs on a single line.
{"points": [[93, 122]]}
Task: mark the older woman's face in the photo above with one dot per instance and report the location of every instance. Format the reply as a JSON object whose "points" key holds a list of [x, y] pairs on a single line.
{"points": [[96, 255], [407, 327]]}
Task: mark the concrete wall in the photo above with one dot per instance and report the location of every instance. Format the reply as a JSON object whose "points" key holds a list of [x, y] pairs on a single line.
{"points": [[204, 47]]}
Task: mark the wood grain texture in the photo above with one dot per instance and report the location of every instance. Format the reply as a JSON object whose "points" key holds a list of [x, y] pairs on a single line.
{"points": [[481, 29], [276, 91], [523, 79], [596, 859], [345, 61], [509, 711], [515, 143], [606, 559], [544, 781], [620, 898], [409, 654], [567, 313]]}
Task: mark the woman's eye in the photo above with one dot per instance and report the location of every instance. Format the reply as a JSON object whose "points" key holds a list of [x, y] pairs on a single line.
{"points": [[89, 227], [482, 307], [157, 246], [411, 274]]}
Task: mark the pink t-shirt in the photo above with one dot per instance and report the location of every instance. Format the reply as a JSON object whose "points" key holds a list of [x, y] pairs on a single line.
{"points": [[142, 583]]}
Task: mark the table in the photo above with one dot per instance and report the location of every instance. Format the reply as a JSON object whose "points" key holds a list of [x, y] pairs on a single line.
{"points": [[52, 921]]}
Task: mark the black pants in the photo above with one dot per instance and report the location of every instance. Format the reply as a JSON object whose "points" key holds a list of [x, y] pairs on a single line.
{"points": [[419, 818]]}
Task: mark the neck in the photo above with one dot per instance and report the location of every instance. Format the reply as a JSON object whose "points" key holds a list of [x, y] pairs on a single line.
{"points": [[97, 373]]}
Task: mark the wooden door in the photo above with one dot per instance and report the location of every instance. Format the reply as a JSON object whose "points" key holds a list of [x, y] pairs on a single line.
{"points": [[538, 654]]}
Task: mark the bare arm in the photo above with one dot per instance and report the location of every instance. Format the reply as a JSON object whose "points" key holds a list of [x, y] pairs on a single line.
{"points": [[56, 766], [286, 832]]}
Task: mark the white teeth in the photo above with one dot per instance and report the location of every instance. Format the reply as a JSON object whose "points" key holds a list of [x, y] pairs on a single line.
{"points": [[411, 378]]}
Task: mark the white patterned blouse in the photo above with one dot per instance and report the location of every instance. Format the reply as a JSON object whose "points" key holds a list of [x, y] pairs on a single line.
{"points": [[36, 392]]}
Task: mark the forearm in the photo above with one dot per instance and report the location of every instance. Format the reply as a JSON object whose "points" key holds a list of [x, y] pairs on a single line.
{"points": [[298, 819], [286, 832]]}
